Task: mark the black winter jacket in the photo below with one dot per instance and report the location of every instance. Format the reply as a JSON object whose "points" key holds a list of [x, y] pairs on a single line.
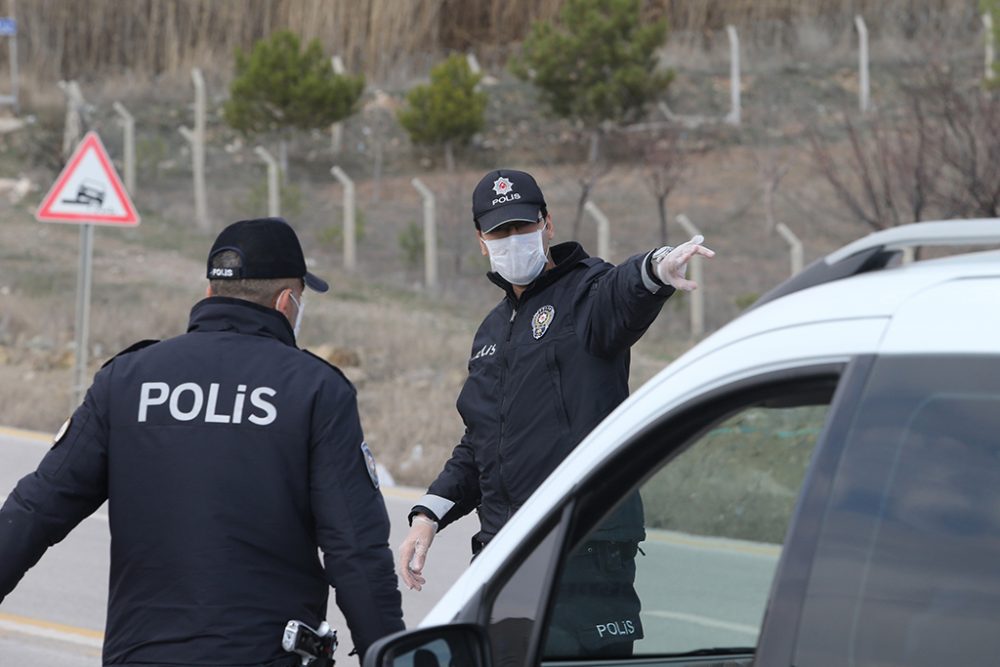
{"points": [[228, 457], [544, 370]]}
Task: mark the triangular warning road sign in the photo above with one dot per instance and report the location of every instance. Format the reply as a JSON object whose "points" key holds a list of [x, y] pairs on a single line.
{"points": [[88, 190]]}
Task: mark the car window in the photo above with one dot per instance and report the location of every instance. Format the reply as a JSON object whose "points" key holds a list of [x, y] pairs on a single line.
{"points": [[906, 567], [513, 628], [685, 562]]}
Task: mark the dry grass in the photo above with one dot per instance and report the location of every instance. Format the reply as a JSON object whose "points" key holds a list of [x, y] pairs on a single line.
{"points": [[412, 348], [94, 38]]}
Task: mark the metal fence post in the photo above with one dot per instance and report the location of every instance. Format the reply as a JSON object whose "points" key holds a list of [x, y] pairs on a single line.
{"points": [[200, 200], [128, 122], [473, 63], [430, 234], [697, 296], [336, 130], [196, 138], [864, 93], [74, 115], [273, 195], [734, 76], [794, 246], [603, 229], [990, 42], [350, 259]]}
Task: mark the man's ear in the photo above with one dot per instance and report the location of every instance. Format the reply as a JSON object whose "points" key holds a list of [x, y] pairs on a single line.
{"points": [[284, 304], [482, 246], [208, 291], [550, 231]]}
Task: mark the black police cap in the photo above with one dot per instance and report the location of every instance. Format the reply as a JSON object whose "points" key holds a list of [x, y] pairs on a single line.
{"points": [[268, 248], [506, 195]]}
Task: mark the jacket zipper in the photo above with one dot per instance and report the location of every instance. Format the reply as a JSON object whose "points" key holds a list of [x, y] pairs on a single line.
{"points": [[503, 401]]}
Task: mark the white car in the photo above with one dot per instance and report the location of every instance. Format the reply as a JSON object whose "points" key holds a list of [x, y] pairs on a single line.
{"points": [[820, 481]]}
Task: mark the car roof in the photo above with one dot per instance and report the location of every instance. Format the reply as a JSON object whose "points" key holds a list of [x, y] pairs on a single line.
{"points": [[880, 249], [949, 305]]}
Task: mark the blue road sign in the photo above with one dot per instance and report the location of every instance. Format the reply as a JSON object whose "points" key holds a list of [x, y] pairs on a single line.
{"points": [[8, 26]]}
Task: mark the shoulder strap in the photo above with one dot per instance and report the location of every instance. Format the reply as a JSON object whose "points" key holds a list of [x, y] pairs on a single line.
{"points": [[131, 348], [335, 369]]}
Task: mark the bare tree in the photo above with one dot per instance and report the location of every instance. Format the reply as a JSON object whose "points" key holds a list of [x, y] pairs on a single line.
{"points": [[664, 165], [913, 161], [887, 174], [937, 156], [587, 175], [771, 167], [968, 148]]}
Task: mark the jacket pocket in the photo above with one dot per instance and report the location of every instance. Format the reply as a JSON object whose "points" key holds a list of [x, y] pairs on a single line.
{"points": [[555, 375]]}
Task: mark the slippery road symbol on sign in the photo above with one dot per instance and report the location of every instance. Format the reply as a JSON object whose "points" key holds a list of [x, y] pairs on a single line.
{"points": [[88, 190]]}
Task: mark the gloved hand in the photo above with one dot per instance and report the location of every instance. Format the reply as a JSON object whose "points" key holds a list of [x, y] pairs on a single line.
{"points": [[672, 269], [413, 551]]}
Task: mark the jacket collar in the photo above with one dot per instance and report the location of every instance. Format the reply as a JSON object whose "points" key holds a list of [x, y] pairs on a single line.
{"points": [[565, 255], [223, 313]]}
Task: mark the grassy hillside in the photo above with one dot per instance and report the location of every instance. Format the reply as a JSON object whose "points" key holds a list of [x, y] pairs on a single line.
{"points": [[406, 348]]}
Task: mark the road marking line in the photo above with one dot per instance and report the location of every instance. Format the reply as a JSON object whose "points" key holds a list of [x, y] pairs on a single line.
{"points": [[48, 630], [713, 543], [22, 434], [702, 620]]}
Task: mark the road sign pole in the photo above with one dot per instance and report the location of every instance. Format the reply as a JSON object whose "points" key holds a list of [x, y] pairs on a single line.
{"points": [[82, 313]]}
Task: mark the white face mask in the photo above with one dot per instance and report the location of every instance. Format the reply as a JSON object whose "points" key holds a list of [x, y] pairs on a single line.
{"points": [[300, 308], [518, 258]]}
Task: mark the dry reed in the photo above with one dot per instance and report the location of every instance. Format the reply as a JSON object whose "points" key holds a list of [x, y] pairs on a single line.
{"points": [[87, 38]]}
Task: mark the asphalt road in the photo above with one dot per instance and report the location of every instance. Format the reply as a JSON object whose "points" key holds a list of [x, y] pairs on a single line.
{"points": [[55, 617]]}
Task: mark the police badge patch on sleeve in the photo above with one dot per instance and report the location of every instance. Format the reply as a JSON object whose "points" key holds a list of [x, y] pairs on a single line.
{"points": [[370, 463], [62, 433]]}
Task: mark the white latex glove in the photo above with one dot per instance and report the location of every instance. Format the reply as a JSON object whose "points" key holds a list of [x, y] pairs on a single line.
{"points": [[672, 269], [413, 551]]}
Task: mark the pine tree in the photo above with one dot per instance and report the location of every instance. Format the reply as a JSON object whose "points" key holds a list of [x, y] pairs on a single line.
{"points": [[448, 111], [596, 65], [279, 87]]}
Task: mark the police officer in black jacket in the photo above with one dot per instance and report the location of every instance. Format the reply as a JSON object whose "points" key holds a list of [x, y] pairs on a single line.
{"points": [[548, 363], [228, 457]]}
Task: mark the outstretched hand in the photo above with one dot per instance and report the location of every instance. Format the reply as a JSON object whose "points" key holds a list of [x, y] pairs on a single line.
{"points": [[413, 551], [673, 268]]}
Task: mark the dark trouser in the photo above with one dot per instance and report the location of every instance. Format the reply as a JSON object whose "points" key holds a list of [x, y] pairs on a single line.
{"points": [[597, 609]]}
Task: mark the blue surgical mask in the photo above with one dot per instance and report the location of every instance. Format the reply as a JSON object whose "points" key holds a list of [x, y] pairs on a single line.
{"points": [[518, 258]]}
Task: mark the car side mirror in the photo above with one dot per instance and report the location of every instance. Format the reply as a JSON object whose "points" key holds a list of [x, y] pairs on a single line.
{"points": [[460, 645]]}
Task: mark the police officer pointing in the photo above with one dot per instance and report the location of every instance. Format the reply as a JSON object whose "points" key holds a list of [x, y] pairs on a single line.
{"points": [[228, 457], [548, 363]]}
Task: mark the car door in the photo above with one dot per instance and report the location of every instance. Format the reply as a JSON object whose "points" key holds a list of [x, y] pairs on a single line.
{"points": [[905, 568], [715, 486], [667, 552]]}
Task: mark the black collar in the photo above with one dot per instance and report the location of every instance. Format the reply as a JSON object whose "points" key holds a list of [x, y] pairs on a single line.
{"points": [[223, 313], [565, 255]]}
